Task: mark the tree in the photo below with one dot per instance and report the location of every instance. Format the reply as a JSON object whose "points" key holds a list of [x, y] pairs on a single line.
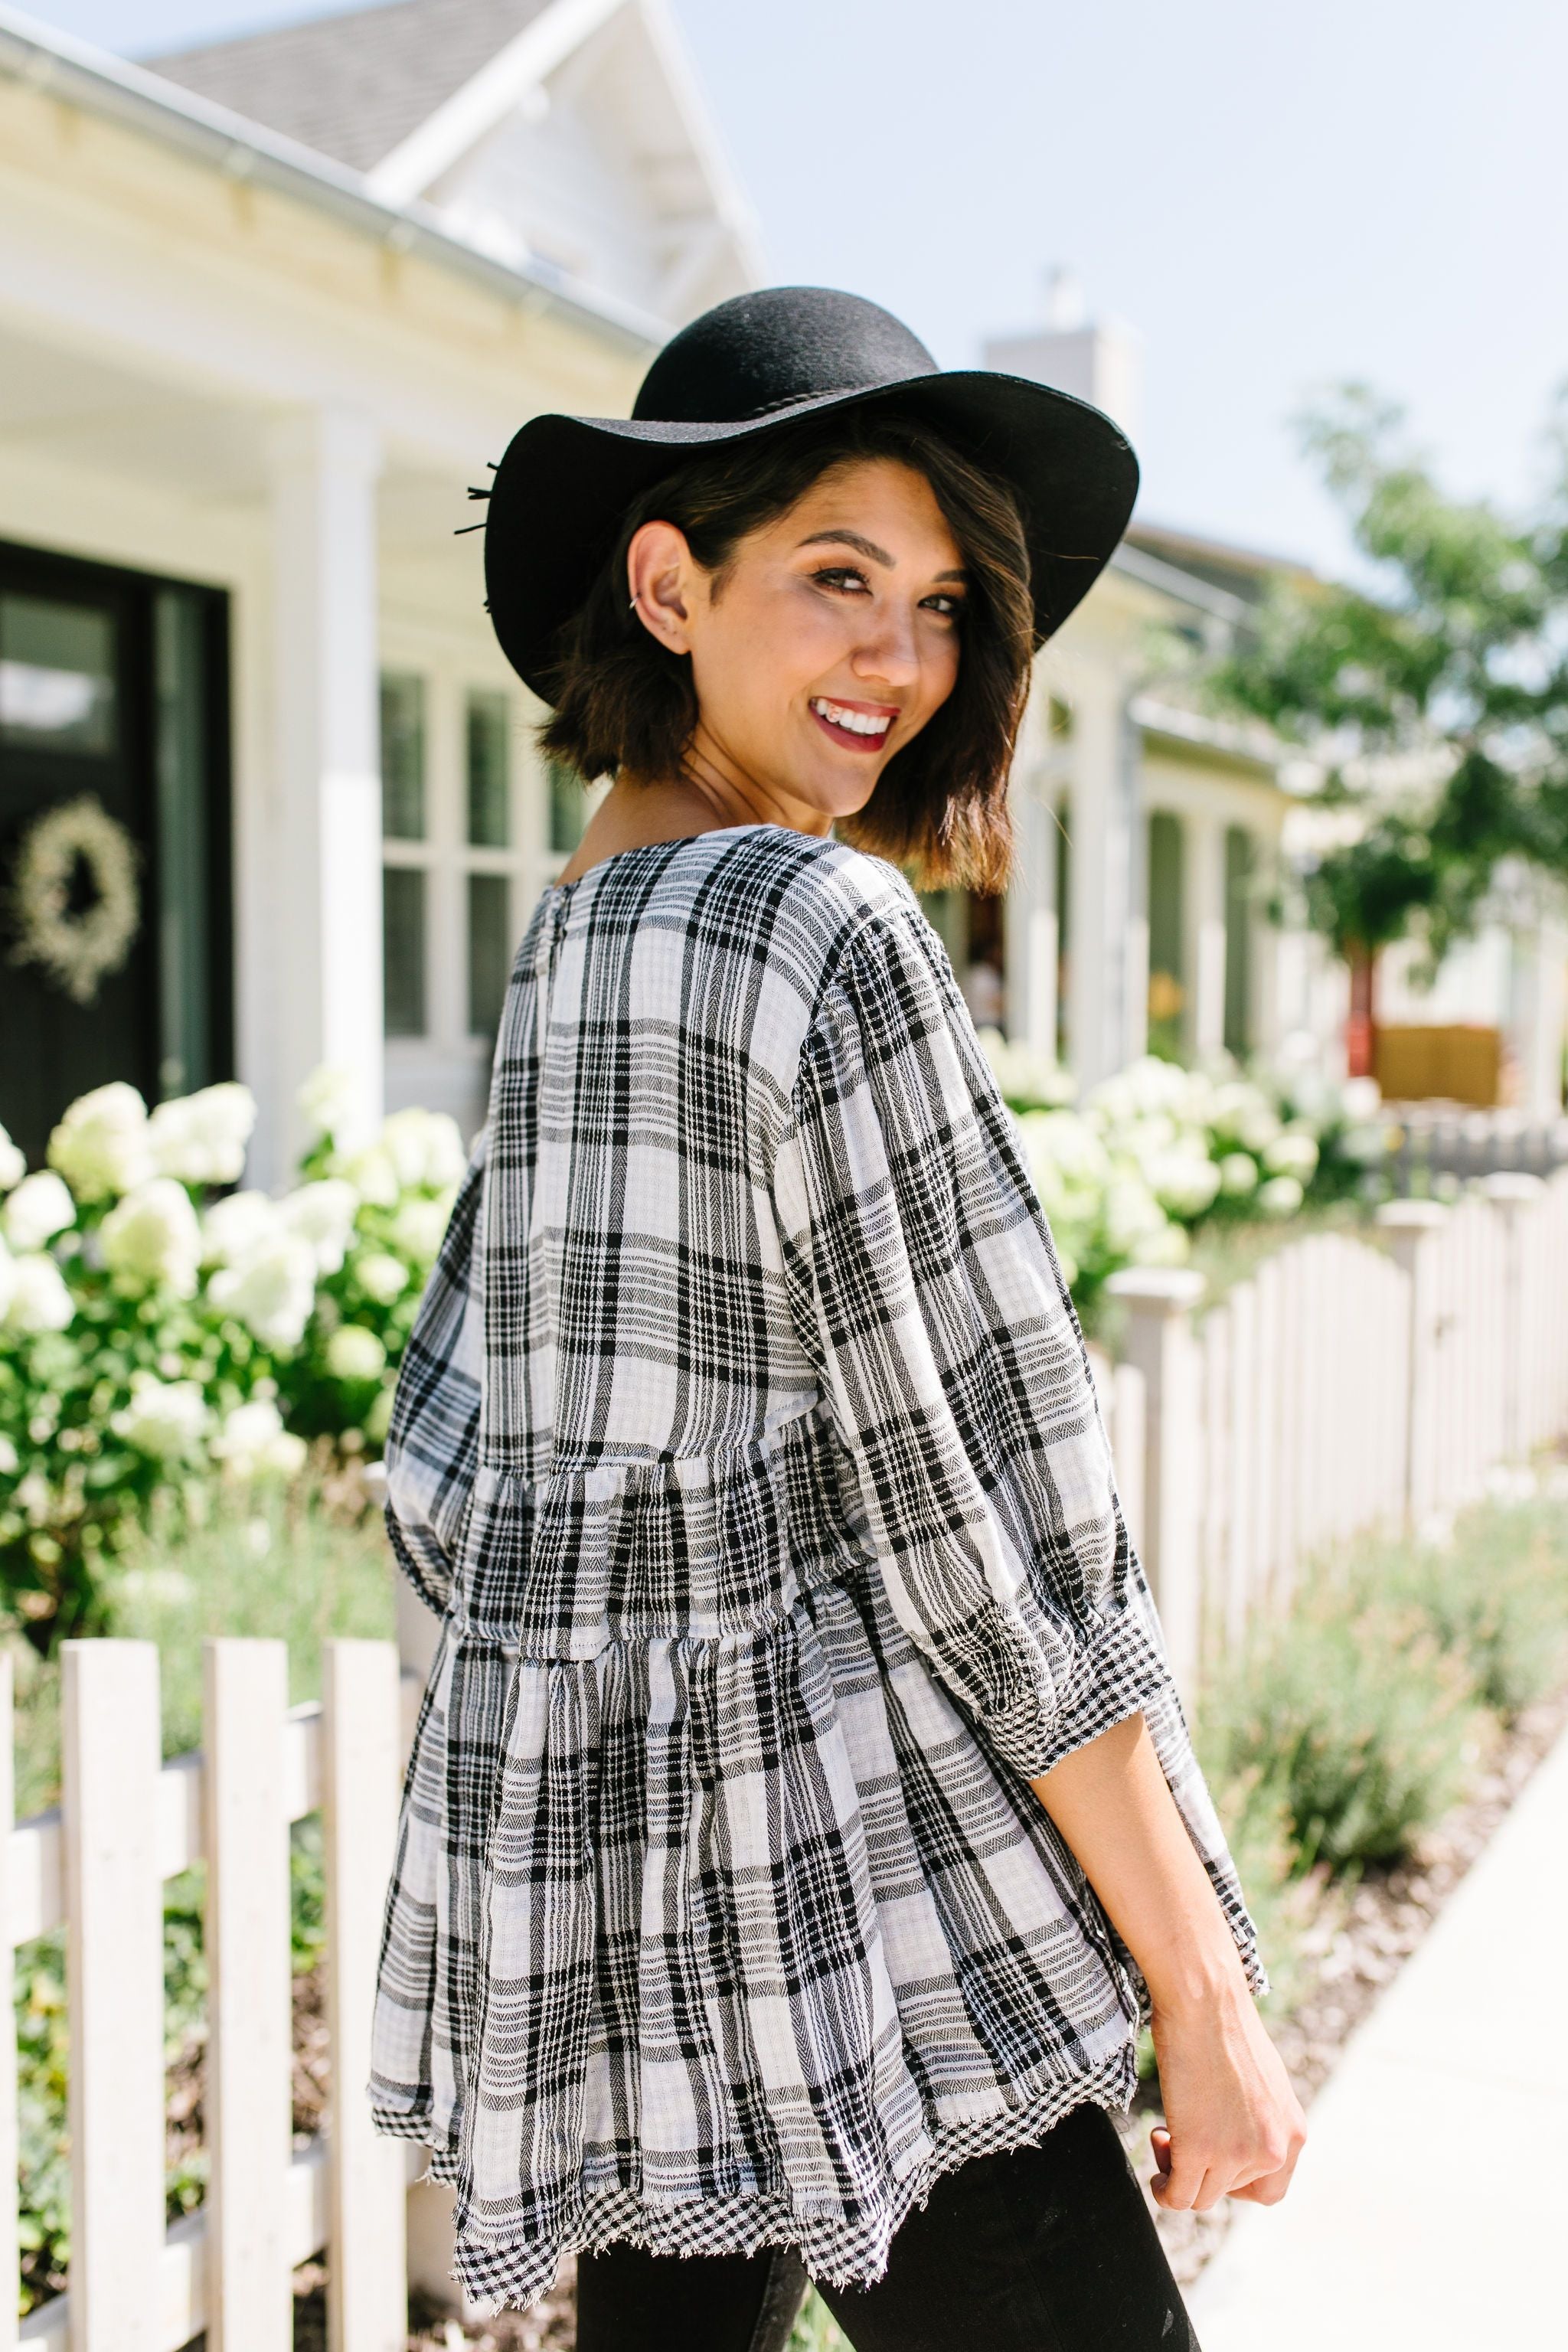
{"points": [[1436, 698]]}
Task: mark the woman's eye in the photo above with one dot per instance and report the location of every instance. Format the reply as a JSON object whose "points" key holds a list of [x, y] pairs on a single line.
{"points": [[840, 575], [950, 608]]}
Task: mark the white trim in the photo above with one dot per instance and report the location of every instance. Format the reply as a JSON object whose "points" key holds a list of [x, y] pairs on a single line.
{"points": [[76, 72], [462, 121], [730, 201]]}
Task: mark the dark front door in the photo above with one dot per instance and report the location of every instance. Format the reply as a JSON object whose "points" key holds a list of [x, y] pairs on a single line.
{"points": [[114, 920]]}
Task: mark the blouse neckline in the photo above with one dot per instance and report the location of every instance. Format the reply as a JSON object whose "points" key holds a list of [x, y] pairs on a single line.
{"points": [[640, 848]]}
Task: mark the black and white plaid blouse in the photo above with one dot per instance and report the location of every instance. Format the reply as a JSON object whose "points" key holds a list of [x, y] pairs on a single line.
{"points": [[746, 1442]]}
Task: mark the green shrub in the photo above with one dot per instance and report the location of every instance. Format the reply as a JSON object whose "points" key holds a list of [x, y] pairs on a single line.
{"points": [[1496, 1597], [1356, 1719]]}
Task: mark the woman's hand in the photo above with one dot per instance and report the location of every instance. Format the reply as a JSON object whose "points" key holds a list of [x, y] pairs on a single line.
{"points": [[1236, 2127]]}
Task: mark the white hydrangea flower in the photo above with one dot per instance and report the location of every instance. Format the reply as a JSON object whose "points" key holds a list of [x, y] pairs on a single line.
{"points": [[200, 1138], [238, 1225], [355, 1354], [373, 1175], [1183, 1179], [13, 1162], [322, 1213], [1132, 1213], [418, 1227], [384, 1276], [1166, 1245], [39, 1207], [10, 1461], [1237, 1174], [153, 1237], [254, 1443], [101, 1146], [271, 1290], [1292, 1154], [331, 1100], [1360, 1099], [38, 1299], [1281, 1197], [425, 1146], [164, 1419]]}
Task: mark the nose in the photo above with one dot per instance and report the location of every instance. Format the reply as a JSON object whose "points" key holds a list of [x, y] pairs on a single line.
{"points": [[887, 653]]}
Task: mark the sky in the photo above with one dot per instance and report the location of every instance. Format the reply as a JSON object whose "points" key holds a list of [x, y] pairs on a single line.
{"points": [[1276, 198]]}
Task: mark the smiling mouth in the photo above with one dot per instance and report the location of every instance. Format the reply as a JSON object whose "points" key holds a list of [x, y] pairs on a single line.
{"points": [[861, 730]]}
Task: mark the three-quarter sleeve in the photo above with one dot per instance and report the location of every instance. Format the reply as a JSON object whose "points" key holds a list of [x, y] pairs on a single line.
{"points": [[925, 1290], [432, 1437]]}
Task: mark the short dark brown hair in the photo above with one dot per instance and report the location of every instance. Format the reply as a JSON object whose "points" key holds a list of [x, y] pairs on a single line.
{"points": [[625, 704]]}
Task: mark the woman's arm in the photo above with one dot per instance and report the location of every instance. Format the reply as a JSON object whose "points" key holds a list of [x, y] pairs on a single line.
{"points": [[1236, 2127]]}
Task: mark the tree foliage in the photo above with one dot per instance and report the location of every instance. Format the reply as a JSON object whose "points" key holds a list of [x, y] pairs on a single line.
{"points": [[1436, 698]]}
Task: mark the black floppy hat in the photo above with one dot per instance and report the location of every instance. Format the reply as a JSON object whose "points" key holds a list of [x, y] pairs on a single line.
{"points": [[760, 361]]}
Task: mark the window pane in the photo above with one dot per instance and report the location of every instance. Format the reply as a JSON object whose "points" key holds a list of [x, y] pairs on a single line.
{"points": [[489, 950], [402, 757], [1238, 910], [57, 676], [490, 770], [568, 814], [403, 948], [1167, 991]]}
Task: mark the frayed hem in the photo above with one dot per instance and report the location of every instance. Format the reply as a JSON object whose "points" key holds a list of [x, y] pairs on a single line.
{"points": [[842, 2250]]}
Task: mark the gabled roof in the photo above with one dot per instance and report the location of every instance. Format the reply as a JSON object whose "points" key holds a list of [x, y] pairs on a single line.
{"points": [[355, 86]]}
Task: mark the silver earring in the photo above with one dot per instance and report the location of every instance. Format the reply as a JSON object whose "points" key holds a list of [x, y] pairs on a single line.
{"points": [[633, 606]]}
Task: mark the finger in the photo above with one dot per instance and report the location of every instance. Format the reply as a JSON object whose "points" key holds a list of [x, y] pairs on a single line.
{"points": [[1160, 2147], [1176, 2190]]}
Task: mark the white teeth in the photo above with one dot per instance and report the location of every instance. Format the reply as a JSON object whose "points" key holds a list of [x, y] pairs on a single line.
{"points": [[856, 722]]}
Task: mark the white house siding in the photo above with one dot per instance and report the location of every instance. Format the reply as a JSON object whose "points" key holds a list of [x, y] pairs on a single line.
{"points": [[214, 381]]}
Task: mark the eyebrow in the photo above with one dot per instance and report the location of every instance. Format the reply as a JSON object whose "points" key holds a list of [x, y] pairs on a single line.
{"points": [[867, 547]]}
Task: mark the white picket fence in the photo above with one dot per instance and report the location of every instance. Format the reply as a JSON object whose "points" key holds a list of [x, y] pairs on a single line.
{"points": [[97, 1867], [1348, 1385]]}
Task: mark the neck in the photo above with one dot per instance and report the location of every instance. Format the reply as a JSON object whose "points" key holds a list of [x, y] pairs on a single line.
{"points": [[711, 789]]}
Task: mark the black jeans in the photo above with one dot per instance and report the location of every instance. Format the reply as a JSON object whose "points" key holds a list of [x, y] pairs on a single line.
{"points": [[1047, 2249]]}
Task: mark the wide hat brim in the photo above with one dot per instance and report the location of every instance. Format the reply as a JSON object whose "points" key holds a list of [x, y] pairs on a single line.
{"points": [[562, 489]]}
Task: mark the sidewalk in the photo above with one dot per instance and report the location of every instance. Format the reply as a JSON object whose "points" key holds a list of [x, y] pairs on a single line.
{"points": [[1429, 2197]]}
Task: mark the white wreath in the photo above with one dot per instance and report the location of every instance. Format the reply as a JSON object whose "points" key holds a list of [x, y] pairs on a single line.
{"points": [[76, 950]]}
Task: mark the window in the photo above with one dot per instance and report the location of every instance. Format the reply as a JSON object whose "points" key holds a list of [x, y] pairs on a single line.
{"points": [[490, 770], [1167, 991], [489, 950], [1239, 890], [402, 758], [404, 890], [403, 911], [57, 676], [568, 810]]}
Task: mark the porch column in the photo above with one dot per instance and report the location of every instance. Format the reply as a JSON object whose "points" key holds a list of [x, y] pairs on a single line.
{"points": [[1030, 928], [1542, 955], [327, 906], [1205, 839], [1109, 937]]}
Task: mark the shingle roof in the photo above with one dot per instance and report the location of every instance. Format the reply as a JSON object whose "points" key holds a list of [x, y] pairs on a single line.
{"points": [[354, 86]]}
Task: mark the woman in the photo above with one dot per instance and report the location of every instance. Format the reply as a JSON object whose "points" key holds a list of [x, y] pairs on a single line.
{"points": [[801, 1816]]}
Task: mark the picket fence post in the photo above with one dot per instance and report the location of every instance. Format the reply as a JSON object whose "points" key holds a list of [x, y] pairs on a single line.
{"points": [[1515, 1201], [114, 1988], [248, 2114], [1414, 1228], [367, 2254], [1159, 1343]]}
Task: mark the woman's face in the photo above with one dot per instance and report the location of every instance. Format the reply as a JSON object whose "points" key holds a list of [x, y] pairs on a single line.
{"points": [[826, 642]]}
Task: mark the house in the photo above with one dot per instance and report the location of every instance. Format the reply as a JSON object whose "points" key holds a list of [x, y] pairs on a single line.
{"points": [[1149, 832], [266, 308]]}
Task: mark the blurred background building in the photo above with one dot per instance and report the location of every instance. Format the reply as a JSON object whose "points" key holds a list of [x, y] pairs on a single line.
{"points": [[267, 308]]}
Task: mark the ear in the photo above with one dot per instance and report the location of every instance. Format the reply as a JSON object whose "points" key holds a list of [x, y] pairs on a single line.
{"points": [[658, 577]]}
